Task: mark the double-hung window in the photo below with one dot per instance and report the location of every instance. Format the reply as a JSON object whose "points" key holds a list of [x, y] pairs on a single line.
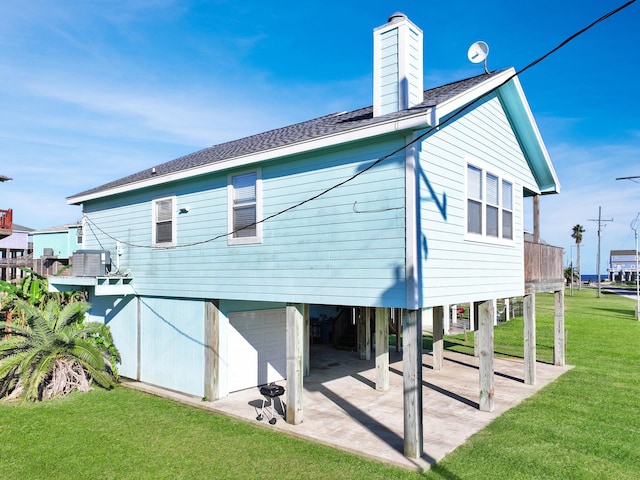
{"points": [[164, 222], [489, 205], [244, 197]]}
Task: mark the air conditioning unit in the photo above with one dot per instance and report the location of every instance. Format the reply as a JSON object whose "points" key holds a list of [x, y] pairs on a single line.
{"points": [[90, 263], [47, 252]]}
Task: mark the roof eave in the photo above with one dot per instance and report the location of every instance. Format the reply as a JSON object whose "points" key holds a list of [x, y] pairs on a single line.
{"points": [[524, 125], [409, 122]]}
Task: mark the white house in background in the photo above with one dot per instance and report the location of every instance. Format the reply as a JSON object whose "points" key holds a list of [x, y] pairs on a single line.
{"points": [[209, 264]]}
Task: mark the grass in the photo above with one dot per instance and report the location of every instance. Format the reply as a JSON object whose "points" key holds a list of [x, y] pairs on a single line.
{"points": [[585, 425]]}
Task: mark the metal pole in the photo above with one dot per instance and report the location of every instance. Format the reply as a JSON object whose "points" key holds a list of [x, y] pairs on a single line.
{"points": [[637, 281], [634, 227]]}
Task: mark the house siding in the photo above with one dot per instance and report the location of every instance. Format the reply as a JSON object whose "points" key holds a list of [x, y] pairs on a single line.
{"points": [[63, 243], [455, 269], [345, 247]]}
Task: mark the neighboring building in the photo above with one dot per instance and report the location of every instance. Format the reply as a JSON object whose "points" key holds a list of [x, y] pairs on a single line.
{"points": [[622, 265], [409, 204], [15, 253], [54, 246]]}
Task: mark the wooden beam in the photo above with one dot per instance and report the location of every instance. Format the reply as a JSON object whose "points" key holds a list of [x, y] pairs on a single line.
{"points": [[364, 333], [529, 311], [485, 354], [474, 317], [412, 382], [558, 329], [295, 342], [438, 337], [382, 349], [212, 350]]}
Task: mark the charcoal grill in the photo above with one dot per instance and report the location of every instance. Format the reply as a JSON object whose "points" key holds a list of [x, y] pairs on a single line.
{"points": [[270, 393]]}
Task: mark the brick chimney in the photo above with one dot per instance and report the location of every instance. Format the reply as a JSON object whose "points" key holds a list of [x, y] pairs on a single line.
{"points": [[397, 65]]}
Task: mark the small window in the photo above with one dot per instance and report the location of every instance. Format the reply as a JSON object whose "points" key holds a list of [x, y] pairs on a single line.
{"points": [[507, 210], [79, 234], [244, 193], [489, 204], [164, 222]]}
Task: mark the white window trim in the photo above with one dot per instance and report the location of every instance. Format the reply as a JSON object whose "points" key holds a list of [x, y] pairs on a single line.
{"points": [[484, 238], [244, 240], [174, 225]]}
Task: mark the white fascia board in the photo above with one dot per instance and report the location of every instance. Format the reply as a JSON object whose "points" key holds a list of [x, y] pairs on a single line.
{"points": [[413, 122], [453, 104]]}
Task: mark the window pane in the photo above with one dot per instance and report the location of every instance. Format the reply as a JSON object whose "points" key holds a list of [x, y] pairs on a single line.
{"points": [[507, 195], [507, 225], [474, 217], [244, 188], [492, 189], [242, 217], [492, 221], [163, 232], [163, 210], [474, 182]]}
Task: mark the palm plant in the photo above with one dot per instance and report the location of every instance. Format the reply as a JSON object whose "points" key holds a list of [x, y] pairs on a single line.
{"points": [[54, 352], [576, 234]]}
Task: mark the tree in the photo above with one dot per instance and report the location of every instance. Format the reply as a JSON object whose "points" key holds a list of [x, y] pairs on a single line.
{"points": [[569, 275], [578, 230], [54, 352]]}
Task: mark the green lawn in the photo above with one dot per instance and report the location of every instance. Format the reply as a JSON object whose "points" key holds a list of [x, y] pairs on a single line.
{"points": [[585, 425]]}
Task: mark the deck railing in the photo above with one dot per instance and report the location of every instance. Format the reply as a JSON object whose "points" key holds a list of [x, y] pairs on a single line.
{"points": [[543, 271], [6, 222]]}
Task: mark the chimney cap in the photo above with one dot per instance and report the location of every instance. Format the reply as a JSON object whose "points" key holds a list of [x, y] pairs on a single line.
{"points": [[396, 17]]}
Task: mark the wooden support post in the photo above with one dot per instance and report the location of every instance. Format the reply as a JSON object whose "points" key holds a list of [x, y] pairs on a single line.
{"points": [[364, 333], [138, 337], [529, 310], [475, 315], [536, 219], [485, 353], [295, 342], [412, 382], [438, 338], [382, 349], [212, 350], [307, 338], [558, 328]]}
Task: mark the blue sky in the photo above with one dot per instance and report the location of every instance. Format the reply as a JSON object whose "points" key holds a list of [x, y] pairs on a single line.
{"points": [[95, 90]]}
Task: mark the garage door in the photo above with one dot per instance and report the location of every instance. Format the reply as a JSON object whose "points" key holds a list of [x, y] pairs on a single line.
{"points": [[256, 349]]}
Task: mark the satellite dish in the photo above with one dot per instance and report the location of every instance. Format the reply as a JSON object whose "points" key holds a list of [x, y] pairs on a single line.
{"points": [[478, 52]]}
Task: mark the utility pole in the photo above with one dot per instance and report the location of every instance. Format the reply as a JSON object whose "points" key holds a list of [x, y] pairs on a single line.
{"points": [[600, 220]]}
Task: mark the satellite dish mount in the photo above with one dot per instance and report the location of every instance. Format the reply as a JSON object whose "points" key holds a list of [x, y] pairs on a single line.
{"points": [[478, 52]]}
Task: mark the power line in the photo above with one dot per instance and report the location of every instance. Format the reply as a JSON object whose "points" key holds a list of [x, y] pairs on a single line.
{"points": [[444, 122]]}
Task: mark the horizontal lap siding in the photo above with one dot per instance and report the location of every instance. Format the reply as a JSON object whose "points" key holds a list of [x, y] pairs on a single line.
{"points": [[456, 270], [320, 252]]}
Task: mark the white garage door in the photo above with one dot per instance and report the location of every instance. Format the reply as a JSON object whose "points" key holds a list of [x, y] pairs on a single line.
{"points": [[256, 349]]}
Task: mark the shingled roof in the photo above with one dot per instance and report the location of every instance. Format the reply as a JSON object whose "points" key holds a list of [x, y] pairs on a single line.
{"points": [[299, 132]]}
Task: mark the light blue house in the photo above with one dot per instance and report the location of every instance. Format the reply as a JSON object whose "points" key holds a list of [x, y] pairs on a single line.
{"points": [[214, 260], [54, 246]]}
